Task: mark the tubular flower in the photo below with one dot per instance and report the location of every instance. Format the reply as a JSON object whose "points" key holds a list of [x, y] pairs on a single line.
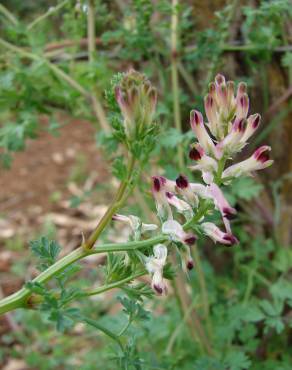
{"points": [[232, 143], [258, 161], [135, 223], [184, 189], [197, 125], [220, 202], [206, 164], [217, 235], [161, 201], [155, 265], [180, 205], [176, 231], [253, 123]]}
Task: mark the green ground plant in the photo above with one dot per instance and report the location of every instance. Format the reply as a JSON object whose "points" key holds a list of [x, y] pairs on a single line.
{"points": [[239, 298]]}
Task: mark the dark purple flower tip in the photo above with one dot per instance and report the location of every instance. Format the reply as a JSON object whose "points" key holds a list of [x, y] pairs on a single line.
{"points": [[194, 154], [212, 88], [156, 183], [256, 121], [231, 239], [208, 101], [262, 154], [169, 195], [244, 101], [229, 213], [241, 125], [190, 264], [114, 218], [196, 117], [158, 289], [263, 157], [182, 182], [190, 239]]}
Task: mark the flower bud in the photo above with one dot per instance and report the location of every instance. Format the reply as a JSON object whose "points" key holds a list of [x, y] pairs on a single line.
{"points": [[253, 123], [137, 100], [242, 106]]}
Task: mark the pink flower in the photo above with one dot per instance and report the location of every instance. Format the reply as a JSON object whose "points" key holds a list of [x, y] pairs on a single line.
{"points": [[253, 123], [220, 202], [206, 164], [184, 189], [258, 161], [217, 235], [232, 143], [242, 106], [200, 131], [159, 190]]}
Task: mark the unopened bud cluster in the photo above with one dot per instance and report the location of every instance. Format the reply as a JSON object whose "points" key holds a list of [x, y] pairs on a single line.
{"points": [[137, 100], [225, 133]]}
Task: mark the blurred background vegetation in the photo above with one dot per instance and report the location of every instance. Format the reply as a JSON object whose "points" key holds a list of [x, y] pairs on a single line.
{"points": [[57, 141]]}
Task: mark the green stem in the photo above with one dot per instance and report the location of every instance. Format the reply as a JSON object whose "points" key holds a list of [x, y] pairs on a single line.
{"points": [[8, 15], [91, 30], [106, 331], [116, 204], [113, 285], [21, 298], [221, 166], [201, 211], [174, 78], [51, 11]]}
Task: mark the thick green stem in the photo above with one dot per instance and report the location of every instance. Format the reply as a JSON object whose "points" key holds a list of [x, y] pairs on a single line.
{"points": [[21, 298], [113, 285], [116, 204]]}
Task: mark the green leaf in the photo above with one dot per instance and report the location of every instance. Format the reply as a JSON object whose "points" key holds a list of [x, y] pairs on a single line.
{"points": [[46, 250], [237, 360], [245, 188], [119, 169]]}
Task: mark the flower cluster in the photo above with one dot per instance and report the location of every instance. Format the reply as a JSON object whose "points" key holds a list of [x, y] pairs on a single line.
{"points": [[137, 99], [225, 133]]}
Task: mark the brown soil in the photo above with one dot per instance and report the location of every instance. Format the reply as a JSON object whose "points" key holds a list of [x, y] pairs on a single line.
{"points": [[46, 165]]}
